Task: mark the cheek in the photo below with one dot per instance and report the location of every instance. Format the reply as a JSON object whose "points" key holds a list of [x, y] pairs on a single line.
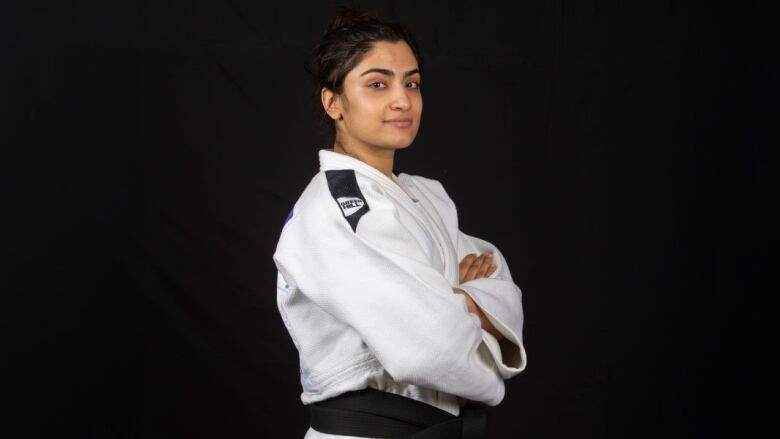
{"points": [[368, 109], [418, 106], [417, 102]]}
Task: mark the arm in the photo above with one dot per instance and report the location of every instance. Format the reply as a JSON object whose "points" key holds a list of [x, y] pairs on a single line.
{"points": [[477, 311], [377, 279], [475, 267], [499, 298], [496, 295]]}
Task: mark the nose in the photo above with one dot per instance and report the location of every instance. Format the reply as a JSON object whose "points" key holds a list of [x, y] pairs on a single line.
{"points": [[401, 101]]}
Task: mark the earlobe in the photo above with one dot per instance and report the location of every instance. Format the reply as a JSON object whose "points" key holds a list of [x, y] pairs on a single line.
{"points": [[330, 103]]}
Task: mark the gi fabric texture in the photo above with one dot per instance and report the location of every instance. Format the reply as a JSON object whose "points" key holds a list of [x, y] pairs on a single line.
{"points": [[366, 267]]}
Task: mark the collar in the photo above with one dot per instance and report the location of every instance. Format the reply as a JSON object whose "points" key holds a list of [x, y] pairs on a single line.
{"points": [[330, 159]]}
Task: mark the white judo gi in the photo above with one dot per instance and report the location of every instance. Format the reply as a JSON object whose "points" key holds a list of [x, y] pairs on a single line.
{"points": [[366, 267]]}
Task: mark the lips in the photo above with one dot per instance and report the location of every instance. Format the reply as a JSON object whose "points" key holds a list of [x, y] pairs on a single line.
{"points": [[400, 123]]}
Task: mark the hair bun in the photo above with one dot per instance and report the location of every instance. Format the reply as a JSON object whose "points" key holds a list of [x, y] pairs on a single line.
{"points": [[349, 16]]}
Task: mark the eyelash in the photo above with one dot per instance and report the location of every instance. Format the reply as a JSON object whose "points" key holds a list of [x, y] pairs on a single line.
{"points": [[412, 82]]}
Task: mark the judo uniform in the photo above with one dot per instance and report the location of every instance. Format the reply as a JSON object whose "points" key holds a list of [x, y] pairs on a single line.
{"points": [[366, 270]]}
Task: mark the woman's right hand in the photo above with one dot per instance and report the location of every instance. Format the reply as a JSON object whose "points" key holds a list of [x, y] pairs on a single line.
{"points": [[475, 267]]}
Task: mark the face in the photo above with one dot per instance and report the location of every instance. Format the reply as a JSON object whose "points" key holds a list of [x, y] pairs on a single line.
{"points": [[381, 102]]}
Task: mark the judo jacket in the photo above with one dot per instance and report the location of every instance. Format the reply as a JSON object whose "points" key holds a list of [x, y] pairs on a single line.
{"points": [[366, 270]]}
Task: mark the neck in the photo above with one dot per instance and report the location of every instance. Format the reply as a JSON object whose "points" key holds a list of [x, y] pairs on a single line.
{"points": [[379, 158]]}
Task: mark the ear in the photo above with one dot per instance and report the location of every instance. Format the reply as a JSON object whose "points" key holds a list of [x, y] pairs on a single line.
{"points": [[331, 103]]}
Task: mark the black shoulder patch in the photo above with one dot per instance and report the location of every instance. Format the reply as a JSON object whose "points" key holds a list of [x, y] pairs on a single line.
{"points": [[344, 189]]}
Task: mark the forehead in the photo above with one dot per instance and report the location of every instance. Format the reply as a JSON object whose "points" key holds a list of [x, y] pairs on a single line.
{"points": [[396, 56]]}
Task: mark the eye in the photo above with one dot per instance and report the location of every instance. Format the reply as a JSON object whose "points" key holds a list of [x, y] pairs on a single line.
{"points": [[414, 84], [375, 84]]}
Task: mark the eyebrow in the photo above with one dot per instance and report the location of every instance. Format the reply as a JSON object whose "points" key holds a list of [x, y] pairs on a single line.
{"points": [[389, 72]]}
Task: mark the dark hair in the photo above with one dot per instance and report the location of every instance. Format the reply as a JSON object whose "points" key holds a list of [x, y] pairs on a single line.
{"points": [[350, 35]]}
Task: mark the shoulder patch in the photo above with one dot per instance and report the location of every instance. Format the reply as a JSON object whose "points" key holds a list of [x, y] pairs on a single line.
{"points": [[344, 189]]}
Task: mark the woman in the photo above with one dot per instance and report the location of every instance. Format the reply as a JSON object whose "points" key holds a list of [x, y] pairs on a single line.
{"points": [[385, 318]]}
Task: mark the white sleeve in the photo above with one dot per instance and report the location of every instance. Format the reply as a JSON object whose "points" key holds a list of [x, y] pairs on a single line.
{"points": [[500, 299], [377, 279]]}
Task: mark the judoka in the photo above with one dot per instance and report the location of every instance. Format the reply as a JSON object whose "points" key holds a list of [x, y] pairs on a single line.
{"points": [[395, 337]]}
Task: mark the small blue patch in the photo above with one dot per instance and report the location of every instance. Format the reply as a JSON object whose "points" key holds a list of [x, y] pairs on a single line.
{"points": [[289, 215]]}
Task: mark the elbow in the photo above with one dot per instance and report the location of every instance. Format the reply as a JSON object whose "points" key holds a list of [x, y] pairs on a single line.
{"points": [[437, 360]]}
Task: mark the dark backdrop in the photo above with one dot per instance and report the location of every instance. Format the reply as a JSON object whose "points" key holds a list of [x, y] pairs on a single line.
{"points": [[619, 154]]}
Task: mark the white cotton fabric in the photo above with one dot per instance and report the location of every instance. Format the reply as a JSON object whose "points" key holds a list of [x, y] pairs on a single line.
{"points": [[374, 307]]}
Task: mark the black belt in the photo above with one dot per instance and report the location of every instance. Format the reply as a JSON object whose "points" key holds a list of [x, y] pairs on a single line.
{"points": [[373, 413]]}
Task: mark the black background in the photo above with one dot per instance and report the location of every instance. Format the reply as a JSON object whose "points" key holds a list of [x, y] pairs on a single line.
{"points": [[618, 153]]}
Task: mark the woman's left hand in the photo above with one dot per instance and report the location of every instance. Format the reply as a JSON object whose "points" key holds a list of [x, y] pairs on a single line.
{"points": [[475, 267]]}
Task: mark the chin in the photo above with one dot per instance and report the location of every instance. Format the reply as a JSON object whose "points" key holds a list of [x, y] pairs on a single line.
{"points": [[400, 142], [398, 145]]}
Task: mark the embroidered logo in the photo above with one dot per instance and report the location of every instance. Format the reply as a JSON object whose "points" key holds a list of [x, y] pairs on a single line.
{"points": [[346, 192], [350, 205]]}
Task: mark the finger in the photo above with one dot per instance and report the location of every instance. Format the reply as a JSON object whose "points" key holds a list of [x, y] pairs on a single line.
{"points": [[473, 271], [464, 266], [487, 262], [469, 258], [492, 270]]}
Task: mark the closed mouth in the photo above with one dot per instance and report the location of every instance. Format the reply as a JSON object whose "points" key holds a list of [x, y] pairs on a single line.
{"points": [[400, 123]]}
